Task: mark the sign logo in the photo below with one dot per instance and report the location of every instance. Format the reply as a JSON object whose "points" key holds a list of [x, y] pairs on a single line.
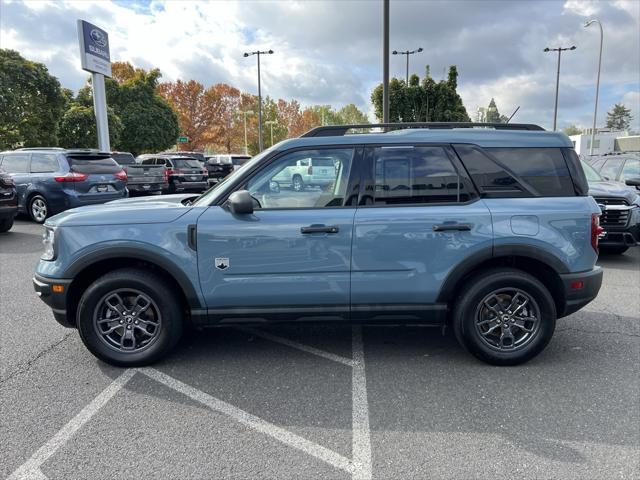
{"points": [[98, 37], [221, 263]]}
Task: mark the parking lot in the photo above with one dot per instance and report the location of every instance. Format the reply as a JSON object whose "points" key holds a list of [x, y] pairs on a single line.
{"points": [[319, 402]]}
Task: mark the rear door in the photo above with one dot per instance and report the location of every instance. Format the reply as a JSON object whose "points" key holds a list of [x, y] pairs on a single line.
{"points": [[418, 218]]}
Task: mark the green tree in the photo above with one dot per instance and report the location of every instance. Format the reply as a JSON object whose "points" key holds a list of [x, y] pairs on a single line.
{"points": [[572, 130], [78, 127], [350, 114], [31, 103], [619, 118], [425, 101]]}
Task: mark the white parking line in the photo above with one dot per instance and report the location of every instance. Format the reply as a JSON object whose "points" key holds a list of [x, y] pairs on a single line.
{"points": [[300, 346], [31, 468], [361, 434], [251, 421]]}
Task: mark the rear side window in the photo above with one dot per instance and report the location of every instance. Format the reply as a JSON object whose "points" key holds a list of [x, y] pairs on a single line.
{"points": [[543, 170], [44, 163], [16, 163], [86, 164], [416, 175]]}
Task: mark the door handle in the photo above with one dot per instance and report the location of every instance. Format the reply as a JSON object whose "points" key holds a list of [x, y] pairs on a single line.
{"points": [[320, 229], [447, 227]]}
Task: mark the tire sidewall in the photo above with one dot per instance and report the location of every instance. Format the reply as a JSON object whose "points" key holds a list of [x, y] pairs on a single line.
{"points": [[33, 199], [464, 318], [300, 183], [168, 305]]}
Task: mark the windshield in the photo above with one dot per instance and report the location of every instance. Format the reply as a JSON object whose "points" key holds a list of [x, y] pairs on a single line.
{"points": [[207, 197], [185, 163], [590, 173]]}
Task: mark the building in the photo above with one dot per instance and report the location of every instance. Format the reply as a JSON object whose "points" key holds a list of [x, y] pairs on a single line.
{"points": [[606, 141]]}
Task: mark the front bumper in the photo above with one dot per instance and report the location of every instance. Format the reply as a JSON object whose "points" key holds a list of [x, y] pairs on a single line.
{"points": [[191, 186], [56, 300], [614, 237], [575, 298], [8, 211]]}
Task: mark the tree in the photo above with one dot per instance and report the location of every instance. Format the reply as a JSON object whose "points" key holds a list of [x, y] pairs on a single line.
{"points": [[351, 115], [572, 130], [425, 101], [619, 118], [78, 127], [31, 103]]}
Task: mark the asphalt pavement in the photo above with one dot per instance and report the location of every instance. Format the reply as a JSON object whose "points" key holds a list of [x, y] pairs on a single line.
{"points": [[319, 402]]}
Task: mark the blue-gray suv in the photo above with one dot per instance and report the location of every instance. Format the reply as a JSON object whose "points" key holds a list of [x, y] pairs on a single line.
{"points": [[486, 228], [51, 180]]}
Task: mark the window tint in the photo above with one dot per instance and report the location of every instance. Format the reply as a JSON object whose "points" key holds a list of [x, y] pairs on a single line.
{"points": [[123, 158], [149, 161], [90, 165], [405, 175], [543, 170], [16, 163], [611, 168], [287, 184], [631, 169], [44, 163], [591, 174], [186, 163]]}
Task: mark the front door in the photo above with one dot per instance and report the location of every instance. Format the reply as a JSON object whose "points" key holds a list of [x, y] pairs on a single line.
{"points": [[17, 165], [290, 259]]}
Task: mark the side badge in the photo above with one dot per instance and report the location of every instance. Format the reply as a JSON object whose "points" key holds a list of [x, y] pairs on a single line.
{"points": [[222, 263]]}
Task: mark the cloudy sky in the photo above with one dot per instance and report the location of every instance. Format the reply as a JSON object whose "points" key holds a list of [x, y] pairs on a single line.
{"points": [[329, 52]]}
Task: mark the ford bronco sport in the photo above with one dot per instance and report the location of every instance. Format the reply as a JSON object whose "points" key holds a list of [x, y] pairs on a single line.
{"points": [[489, 230]]}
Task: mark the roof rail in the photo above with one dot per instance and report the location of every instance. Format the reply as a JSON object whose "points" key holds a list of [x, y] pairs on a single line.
{"points": [[341, 130], [39, 148]]}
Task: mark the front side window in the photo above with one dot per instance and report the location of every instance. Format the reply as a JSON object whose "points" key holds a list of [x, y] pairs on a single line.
{"points": [[631, 169], [288, 183], [410, 175], [16, 163], [44, 163], [611, 168]]}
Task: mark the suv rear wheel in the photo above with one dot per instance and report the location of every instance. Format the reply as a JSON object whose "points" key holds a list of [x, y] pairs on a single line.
{"points": [[297, 183], [38, 209], [129, 318], [6, 224], [506, 317]]}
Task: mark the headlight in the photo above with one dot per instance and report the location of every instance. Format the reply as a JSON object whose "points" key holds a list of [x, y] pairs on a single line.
{"points": [[48, 240]]}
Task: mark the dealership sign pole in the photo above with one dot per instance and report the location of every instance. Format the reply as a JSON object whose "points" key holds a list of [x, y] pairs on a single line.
{"points": [[95, 58]]}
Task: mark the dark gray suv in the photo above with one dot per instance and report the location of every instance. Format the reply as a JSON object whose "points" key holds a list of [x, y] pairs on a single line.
{"points": [[51, 180]]}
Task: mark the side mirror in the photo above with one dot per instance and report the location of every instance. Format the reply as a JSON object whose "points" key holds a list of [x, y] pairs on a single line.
{"points": [[633, 182], [274, 187], [240, 203]]}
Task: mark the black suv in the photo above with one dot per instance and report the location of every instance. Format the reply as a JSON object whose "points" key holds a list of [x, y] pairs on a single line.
{"points": [[8, 201], [621, 167], [185, 174]]}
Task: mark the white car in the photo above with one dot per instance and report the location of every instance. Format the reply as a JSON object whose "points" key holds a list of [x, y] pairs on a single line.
{"points": [[319, 171]]}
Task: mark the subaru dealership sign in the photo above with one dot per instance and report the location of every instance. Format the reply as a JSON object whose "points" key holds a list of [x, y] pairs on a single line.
{"points": [[94, 48]]}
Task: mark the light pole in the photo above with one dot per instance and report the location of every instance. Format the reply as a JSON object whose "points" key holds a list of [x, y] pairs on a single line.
{"points": [[595, 111], [271, 123], [385, 61], [407, 53], [559, 50], [258, 53], [244, 114]]}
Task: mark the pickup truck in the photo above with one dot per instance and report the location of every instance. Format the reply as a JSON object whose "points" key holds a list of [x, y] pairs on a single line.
{"points": [[142, 178], [315, 171]]}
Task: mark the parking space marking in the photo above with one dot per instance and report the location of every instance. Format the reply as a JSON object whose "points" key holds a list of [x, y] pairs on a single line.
{"points": [[251, 421], [361, 434], [300, 346], [31, 468]]}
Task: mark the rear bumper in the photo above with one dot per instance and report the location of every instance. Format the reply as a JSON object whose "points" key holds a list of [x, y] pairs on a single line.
{"points": [[191, 186], [575, 298], [8, 210], [146, 187], [57, 301]]}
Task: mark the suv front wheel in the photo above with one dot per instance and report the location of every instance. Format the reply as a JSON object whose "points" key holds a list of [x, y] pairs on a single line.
{"points": [[129, 318], [505, 317]]}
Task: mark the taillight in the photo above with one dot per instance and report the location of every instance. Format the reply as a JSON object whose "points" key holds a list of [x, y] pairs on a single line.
{"points": [[310, 170], [72, 177], [169, 172], [596, 230], [121, 175]]}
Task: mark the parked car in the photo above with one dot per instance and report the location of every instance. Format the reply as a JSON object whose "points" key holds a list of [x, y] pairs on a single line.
{"points": [[184, 174], [8, 201], [488, 230], [622, 167], [142, 178], [620, 206], [219, 166], [319, 172], [197, 155], [51, 180]]}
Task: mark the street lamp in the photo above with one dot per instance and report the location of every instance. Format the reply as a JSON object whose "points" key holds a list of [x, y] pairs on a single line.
{"points": [[595, 111], [271, 123], [258, 53], [559, 50], [407, 53], [244, 114]]}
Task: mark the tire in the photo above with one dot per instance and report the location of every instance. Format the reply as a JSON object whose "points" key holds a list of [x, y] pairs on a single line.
{"points": [[297, 184], [613, 250], [6, 224], [161, 321], [38, 209], [512, 341]]}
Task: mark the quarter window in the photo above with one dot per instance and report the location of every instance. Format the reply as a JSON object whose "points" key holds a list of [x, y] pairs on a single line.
{"points": [[44, 163], [294, 181], [410, 175], [16, 163]]}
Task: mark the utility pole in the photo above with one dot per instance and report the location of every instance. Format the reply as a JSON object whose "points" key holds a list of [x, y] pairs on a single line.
{"points": [[559, 50], [595, 111], [246, 145], [258, 53], [385, 62]]}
